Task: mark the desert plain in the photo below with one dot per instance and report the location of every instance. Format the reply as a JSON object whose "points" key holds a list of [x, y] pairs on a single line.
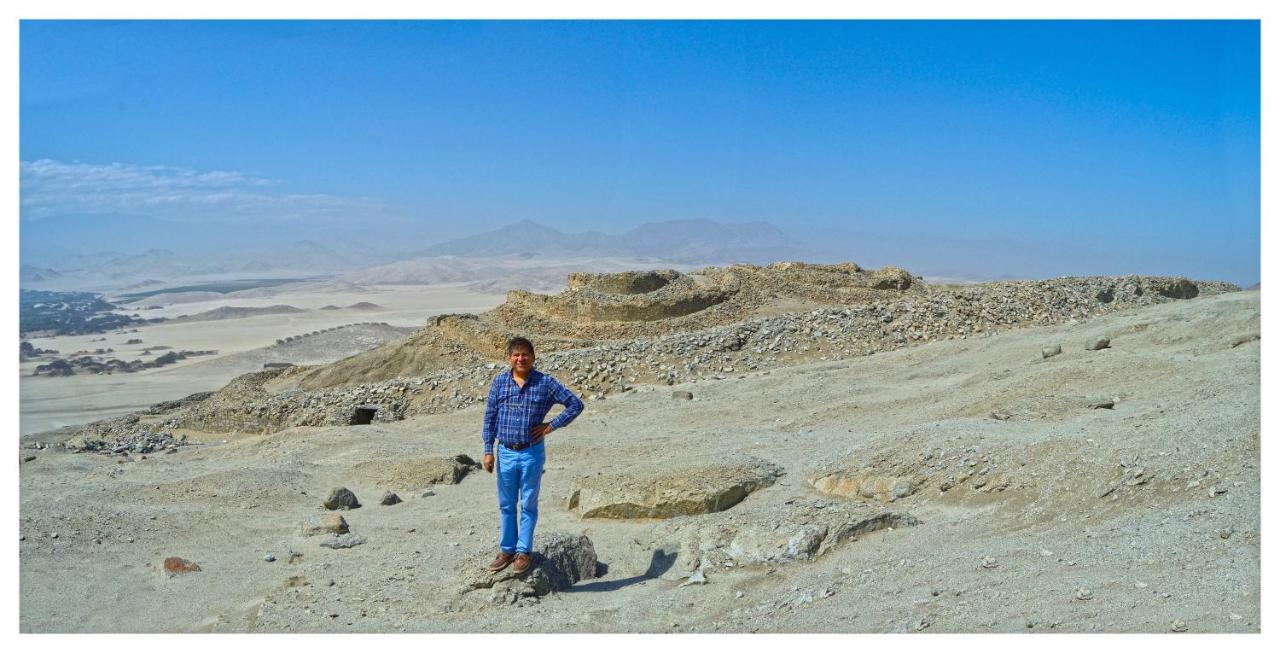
{"points": [[243, 345], [978, 484]]}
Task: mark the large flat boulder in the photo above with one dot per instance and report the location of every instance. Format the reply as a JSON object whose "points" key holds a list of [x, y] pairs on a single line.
{"points": [[667, 492], [414, 473], [560, 561], [772, 535]]}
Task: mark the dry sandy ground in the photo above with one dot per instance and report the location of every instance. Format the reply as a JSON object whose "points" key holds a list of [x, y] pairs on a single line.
{"points": [[49, 403], [1061, 553]]}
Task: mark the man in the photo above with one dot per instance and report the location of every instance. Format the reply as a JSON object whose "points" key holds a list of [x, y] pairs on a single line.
{"points": [[518, 402]]}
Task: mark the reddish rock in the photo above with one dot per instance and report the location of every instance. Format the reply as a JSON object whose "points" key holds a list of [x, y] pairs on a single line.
{"points": [[176, 565], [329, 522]]}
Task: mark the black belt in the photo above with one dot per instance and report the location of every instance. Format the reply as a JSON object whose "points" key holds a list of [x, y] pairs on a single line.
{"points": [[518, 447]]}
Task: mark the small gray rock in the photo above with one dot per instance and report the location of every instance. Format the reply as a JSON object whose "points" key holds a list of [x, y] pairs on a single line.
{"points": [[390, 499], [696, 578], [1049, 352], [344, 541], [682, 394], [269, 558], [1095, 344], [1108, 404]]}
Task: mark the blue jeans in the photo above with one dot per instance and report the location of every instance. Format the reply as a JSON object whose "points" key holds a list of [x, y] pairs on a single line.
{"points": [[519, 475]]}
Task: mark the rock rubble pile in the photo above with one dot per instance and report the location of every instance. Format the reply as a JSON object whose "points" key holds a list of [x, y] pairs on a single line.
{"points": [[720, 352]]}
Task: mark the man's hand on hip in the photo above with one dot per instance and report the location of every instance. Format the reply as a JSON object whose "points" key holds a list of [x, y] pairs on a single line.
{"points": [[540, 431], [488, 463]]}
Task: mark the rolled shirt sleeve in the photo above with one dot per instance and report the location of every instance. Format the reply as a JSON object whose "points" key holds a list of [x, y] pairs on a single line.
{"points": [[490, 429], [572, 405]]}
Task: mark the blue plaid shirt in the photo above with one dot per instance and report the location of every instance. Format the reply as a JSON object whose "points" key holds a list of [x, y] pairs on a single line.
{"points": [[511, 411]]}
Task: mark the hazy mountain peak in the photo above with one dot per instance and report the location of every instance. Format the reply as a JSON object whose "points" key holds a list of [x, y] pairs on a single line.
{"points": [[693, 240]]}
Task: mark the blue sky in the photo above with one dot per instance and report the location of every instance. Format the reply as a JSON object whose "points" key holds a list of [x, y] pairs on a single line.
{"points": [[948, 147]]}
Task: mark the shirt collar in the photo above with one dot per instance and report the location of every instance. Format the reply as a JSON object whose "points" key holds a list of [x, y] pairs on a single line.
{"points": [[534, 375]]}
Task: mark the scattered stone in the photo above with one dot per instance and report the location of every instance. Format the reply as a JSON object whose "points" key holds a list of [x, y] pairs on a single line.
{"points": [[428, 493], [340, 498], [1226, 532], [344, 541], [269, 558], [1084, 594], [1135, 476], [1103, 403], [1096, 344], [175, 565], [27, 459], [989, 563], [1049, 352], [1178, 626], [1216, 490], [696, 578], [329, 522], [390, 499], [998, 415], [682, 394]]}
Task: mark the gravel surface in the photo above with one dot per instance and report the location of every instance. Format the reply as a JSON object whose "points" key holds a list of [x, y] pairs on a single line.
{"points": [[1032, 510]]}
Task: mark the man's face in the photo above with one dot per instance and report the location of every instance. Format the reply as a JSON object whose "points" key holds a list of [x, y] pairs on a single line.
{"points": [[521, 360]]}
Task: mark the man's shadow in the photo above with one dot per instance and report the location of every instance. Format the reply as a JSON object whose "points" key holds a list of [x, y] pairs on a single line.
{"points": [[658, 565]]}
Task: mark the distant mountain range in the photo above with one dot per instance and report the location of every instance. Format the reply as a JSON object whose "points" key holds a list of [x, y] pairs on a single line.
{"points": [[677, 241], [146, 268], [493, 254]]}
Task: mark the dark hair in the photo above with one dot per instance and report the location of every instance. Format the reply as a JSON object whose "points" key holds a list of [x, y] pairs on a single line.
{"points": [[519, 341]]}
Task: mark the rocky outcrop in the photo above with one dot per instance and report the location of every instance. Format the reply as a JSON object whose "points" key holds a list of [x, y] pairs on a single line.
{"points": [[769, 535], [562, 560], [668, 492]]}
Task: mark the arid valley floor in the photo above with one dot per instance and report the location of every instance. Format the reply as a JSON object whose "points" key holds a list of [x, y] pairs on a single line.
{"points": [[1110, 490]]}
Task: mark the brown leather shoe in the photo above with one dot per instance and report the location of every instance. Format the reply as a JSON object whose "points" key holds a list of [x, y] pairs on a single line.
{"points": [[499, 563], [523, 561]]}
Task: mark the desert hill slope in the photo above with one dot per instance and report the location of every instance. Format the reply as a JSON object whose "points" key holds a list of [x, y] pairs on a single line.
{"points": [[609, 332], [1093, 490]]}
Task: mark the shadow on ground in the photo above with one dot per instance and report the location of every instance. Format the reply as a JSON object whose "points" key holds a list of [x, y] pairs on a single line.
{"points": [[658, 565]]}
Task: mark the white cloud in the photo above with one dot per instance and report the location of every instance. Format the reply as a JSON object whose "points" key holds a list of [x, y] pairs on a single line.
{"points": [[51, 189]]}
